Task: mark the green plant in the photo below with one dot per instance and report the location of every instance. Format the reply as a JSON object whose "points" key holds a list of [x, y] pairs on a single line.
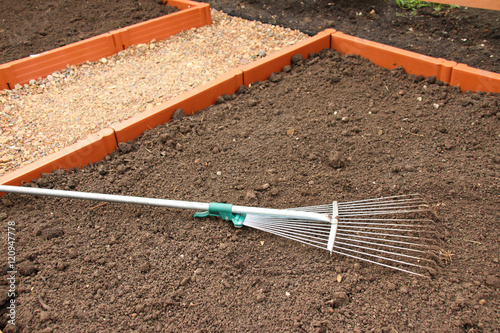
{"points": [[414, 4]]}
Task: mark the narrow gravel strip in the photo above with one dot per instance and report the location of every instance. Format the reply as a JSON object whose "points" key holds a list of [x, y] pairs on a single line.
{"points": [[46, 115]]}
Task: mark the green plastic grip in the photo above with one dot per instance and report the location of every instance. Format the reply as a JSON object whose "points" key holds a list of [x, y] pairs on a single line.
{"points": [[224, 211]]}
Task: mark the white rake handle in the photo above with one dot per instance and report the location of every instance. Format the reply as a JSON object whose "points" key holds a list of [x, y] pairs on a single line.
{"points": [[163, 202]]}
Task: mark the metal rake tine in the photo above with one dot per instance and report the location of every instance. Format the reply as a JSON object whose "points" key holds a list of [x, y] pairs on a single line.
{"points": [[380, 234], [391, 206], [379, 199], [382, 201], [291, 222], [384, 240], [353, 227], [382, 251], [384, 245], [379, 257], [313, 241], [378, 263], [288, 230], [357, 219]]}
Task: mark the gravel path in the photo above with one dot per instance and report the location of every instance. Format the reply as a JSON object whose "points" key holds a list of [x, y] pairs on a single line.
{"points": [[47, 115]]}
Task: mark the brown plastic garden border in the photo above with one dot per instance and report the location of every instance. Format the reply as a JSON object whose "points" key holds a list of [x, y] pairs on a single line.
{"points": [[97, 146], [484, 4], [191, 15]]}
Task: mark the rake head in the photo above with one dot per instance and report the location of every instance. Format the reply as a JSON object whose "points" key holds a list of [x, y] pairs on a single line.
{"points": [[391, 231]]}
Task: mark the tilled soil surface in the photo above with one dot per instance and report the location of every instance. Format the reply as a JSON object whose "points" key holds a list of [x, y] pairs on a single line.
{"points": [[330, 128], [466, 35], [31, 27]]}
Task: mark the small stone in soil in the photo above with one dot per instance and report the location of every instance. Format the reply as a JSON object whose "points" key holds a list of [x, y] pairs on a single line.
{"points": [[336, 160], [261, 297], [26, 268], [178, 114], [7, 202], [459, 303], [251, 197], [275, 77], [125, 147], [121, 169], [433, 272], [72, 253], [253, 102], [492, 281], [403, 290], [263, 187], [102, 170], [50, 233], [274, 192], [242, 89], [139, 308], [390, 286], [297, 59], [339, 299], [171, 302], [185, 281], [45, 316], [144, 268], [61, 266], [431, 79]]}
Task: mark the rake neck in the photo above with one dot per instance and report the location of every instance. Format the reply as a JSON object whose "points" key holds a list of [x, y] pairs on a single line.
{"points": [[285, 213]]}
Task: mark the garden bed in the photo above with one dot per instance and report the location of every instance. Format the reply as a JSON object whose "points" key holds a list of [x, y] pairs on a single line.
{"points": [[331, 128]]}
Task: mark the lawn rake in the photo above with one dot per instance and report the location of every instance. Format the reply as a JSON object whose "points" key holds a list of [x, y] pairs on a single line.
{"points": [[391, 231]]}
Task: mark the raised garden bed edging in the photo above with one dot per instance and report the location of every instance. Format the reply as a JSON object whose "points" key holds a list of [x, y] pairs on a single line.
{"points": [[484, 4], [191, 15], [97, 146]]}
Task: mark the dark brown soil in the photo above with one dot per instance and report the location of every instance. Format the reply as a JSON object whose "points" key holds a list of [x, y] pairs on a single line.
{"points": [[31, 27], [466, 35], [85, 266]]}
